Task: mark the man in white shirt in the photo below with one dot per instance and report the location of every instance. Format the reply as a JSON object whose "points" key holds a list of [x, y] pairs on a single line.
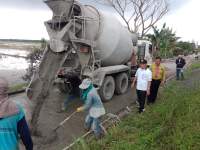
{"points": [[143, 77]]}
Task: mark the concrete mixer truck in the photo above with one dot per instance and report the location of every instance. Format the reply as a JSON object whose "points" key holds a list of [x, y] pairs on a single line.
{"points": [[87, 42]]}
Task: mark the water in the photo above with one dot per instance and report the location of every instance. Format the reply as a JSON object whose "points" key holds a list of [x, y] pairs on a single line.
{"points": [[13, 63], [14, 52], [13, 68]]}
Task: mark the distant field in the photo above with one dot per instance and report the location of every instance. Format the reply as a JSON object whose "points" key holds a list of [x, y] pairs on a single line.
{"points": [[19, 44]]}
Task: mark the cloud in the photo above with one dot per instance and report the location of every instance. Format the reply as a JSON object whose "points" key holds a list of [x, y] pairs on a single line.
{"points": [[24, 18], [23, 24], [175, 5], [24, 4], [39, 4], [185, 21]]}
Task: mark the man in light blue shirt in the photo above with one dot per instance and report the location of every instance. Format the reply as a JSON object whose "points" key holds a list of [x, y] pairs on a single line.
{"points": [[13, 125], [92, 103]]}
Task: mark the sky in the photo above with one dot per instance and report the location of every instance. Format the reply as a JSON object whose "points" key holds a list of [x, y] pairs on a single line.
{"points": [[24, 19], [184, 20]]}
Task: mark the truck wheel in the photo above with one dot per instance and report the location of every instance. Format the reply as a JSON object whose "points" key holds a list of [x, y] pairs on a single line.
{"points": [[121, 82], [107, 89]]}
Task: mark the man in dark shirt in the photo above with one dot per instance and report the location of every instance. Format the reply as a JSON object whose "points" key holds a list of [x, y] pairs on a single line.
{"points": [[180, 63]]}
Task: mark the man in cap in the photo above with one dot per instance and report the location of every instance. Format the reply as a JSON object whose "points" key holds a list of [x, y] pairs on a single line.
{"points": [[13, 124], [94, 106], [180, 63], [143, 77]]}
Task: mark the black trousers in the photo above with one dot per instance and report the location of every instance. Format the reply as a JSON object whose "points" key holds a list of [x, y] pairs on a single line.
{"points": [[141, 99], [153, 91]]}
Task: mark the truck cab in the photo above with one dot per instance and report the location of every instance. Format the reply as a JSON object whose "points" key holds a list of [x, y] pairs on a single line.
{"points": [[145, 51], [142, 50]]}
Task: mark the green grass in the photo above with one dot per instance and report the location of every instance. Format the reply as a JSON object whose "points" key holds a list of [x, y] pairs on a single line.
{"points": [[173, 123], [17, 87], [195, 65]]}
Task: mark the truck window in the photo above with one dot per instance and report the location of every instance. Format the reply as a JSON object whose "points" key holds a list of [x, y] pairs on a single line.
{"points": [[134, 43], [141, 51]]}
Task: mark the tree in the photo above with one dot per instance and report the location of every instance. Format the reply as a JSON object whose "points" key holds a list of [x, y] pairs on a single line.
{"points": [[155, 38], [139, 15], [164, 40], [186, 47]]}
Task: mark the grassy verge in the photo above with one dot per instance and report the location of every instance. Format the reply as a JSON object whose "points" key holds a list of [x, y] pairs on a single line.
{"points": [[173, 123], [195, 65], [17, 87]]}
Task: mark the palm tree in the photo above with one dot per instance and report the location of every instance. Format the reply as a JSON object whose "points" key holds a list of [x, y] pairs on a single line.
{"points": [[164, 40]]}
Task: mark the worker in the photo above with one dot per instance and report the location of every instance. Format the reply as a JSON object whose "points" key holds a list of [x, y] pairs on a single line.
{"points": [[13, 124], [143, 77], [73, 83], [180, 63], [158, 77], [94, 106]]}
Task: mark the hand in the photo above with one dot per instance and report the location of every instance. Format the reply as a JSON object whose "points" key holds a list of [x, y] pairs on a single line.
{"points": [[132, 85], [80, 109], [163, 82]]}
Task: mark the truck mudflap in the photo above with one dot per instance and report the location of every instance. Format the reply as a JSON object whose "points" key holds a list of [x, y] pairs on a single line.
{"points": [[42, 81]]}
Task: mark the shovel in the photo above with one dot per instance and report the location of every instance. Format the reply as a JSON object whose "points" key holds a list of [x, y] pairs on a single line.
{"points": [[53, 135], [63, 122]]}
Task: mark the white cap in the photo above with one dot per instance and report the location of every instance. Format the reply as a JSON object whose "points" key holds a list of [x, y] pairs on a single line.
{"points": [[85, 84]]}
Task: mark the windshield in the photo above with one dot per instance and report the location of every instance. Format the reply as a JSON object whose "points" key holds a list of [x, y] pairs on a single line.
{"points": [[141, 51]]}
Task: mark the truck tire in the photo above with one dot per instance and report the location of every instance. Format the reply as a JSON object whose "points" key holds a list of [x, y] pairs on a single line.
{"points": [[121, 82], [107, 89]]}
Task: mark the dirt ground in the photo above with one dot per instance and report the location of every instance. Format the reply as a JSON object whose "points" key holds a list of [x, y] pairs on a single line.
{"points": [[51, 117]]}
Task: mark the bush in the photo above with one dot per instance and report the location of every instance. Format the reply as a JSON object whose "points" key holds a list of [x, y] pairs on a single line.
{"points": [[34, 59]]}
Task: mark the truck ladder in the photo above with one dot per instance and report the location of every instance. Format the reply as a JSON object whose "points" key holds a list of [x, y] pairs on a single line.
{"points": [[96, 61]]}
